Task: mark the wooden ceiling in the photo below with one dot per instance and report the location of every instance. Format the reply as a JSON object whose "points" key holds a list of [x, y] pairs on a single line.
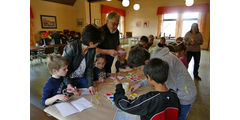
{"points": [[71, 2], [66, 2]]}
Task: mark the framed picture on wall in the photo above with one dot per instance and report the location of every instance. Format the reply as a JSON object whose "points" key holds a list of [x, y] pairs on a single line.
{"points": [[48, 22], [146, 24], [97, 22], [79, 22]]}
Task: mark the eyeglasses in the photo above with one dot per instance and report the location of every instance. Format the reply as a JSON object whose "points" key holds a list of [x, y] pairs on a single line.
{"points": [[114, 23]]}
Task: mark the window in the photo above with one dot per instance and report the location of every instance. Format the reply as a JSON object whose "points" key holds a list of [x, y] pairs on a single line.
{"points": [[188, 19], [169, 24]]}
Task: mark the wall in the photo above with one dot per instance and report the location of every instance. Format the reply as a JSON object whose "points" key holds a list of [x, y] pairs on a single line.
{"points": [[96, 8], [148, 12], [66, 15]]}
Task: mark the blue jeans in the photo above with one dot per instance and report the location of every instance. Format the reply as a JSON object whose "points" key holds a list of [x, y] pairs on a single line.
{"points": [[184, 111], [80, 82]]}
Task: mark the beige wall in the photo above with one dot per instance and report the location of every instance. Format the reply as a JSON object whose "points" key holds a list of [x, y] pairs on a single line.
{"points": [[66, 15], [96, 8], [148, 12]]}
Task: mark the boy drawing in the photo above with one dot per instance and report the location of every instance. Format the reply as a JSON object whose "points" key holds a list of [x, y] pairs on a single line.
{"points": [[53, 88], [162, 103]]}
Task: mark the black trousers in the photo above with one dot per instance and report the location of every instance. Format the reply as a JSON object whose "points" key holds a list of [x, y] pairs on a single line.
{"points": [[196, 56], [108, 65]]}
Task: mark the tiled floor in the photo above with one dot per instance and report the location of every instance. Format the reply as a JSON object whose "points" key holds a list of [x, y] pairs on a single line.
{"points": [[200, 109]]}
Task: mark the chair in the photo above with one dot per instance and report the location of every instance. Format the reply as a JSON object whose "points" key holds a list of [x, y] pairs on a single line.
{"points": [[167, 114]]}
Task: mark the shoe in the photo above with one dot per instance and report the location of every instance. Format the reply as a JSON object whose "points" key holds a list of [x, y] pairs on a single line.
{"points": [[197, 78]]}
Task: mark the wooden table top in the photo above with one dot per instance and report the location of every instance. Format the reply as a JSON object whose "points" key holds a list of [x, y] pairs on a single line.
{"points": [[103, 111]]}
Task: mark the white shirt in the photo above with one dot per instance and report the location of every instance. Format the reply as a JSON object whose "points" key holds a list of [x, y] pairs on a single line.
{"points": [[80, 70]]}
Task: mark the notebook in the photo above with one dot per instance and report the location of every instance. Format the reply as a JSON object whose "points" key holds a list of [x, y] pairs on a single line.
{"points": [[68, 108]]}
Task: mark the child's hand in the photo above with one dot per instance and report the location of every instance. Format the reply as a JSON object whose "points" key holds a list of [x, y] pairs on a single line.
{"points": [[134, 88], [116, 80], [70, 88], [77, 92], [62, 97], [100, 80]]}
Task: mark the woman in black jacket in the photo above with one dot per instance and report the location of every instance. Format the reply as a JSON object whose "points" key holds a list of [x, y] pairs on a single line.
{"points": [[80, 55]]}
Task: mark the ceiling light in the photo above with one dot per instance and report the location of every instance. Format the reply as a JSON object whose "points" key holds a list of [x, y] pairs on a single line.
{"points": [[108, 0], [125, 3], [136, 7], [189, 2]]}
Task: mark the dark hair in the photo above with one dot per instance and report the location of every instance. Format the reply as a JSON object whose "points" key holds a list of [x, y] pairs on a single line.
{"points": [[100, 55], [144, 39], [157, 69], [163, 38], [137, 57], [91, 34], [196, 26]]}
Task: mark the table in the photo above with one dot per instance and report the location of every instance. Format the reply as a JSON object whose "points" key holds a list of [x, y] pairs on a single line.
{"points": [[104, 111], [48, 49]]}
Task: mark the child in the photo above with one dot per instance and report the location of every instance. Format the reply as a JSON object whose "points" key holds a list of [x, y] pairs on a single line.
{"points": [[121, 64], [180, 53], [178, 79], [178, 48], [179, 39], [143, 42], [150, 41], [53, 88], [162, 42], [161, 104], [99, 71]]}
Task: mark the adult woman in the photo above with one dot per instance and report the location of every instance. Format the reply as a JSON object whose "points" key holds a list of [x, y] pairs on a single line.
{"points": [[193, 39], [80, 55]]}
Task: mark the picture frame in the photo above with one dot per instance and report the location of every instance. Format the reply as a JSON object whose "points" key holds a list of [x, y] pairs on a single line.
{"points": [[48, 22], [80, 22], [97, 22]]}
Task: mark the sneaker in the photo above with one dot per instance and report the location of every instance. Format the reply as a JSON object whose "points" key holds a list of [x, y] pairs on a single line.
{"points": [[197, 78]]}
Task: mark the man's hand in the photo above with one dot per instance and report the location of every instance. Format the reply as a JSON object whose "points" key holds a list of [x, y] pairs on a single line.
{"points": [[62, 97], [91, 90], [134, 88], [112, 52]]}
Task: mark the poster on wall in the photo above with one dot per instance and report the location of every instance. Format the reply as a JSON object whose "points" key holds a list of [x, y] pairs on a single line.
{"points": [[48, 22], [138, 23], [79, 22], [146, 24], [97, 22]]}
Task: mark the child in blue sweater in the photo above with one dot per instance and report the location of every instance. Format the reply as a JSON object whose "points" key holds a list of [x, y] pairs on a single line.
{"points": [[53, 88]]}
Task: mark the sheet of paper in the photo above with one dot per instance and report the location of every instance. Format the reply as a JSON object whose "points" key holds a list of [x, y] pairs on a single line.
{"points": [[66, 109], [119, 77], [85, 91], [121, 115], [81, 104]]}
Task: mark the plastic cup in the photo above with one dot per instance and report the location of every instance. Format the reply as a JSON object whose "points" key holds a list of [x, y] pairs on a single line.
{"points": [[125, 86]]}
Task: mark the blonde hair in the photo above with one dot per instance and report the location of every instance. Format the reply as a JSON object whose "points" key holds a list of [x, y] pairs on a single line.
{"points": [[179, 39], [55, 61]]}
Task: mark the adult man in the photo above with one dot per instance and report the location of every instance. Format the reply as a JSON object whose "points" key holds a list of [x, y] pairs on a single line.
{"points": [[111, 42], [80, 55]]}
